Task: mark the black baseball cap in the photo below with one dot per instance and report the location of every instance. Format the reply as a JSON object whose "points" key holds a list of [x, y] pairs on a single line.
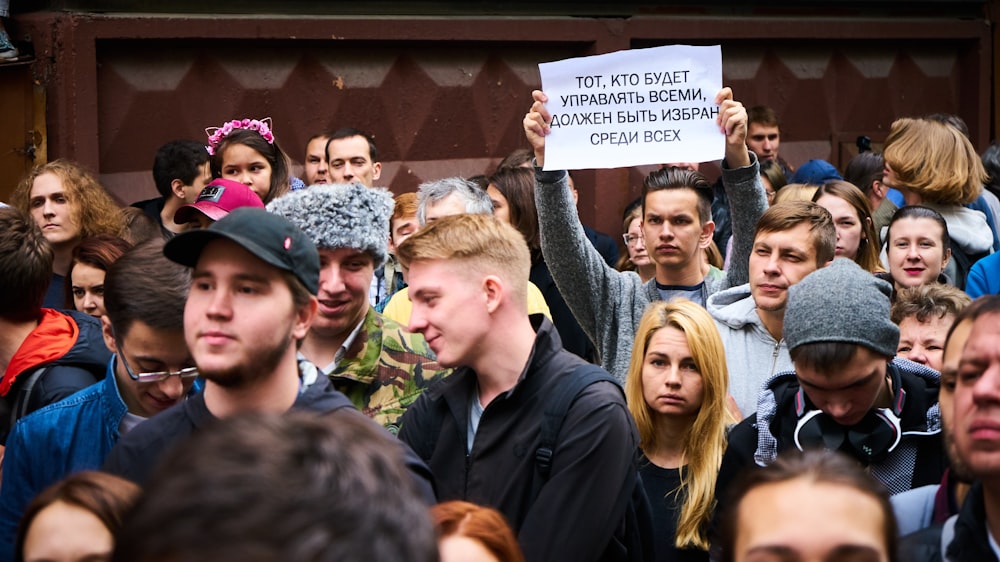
{"points": [[269, 237]]}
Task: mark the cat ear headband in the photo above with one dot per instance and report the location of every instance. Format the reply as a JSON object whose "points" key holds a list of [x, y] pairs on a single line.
{"points": [[216, 134]]}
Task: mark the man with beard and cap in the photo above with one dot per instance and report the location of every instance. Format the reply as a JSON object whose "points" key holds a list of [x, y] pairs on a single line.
{"points": [[252, 300]]}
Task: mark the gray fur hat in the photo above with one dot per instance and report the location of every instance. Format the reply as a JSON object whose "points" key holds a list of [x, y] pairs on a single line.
{"points": [[841, 303], [340, 216]]}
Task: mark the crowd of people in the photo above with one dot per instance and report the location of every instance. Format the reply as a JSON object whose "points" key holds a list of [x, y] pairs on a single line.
{"points": [[793, 364]]}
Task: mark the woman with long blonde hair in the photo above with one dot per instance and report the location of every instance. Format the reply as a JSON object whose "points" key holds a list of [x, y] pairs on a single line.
{"points": [[677, 391]]}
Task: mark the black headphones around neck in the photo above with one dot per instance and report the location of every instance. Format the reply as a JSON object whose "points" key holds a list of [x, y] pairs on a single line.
{"points": [[870, 440]]}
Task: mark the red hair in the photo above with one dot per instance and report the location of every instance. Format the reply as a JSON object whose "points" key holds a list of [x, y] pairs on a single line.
{"points": [[482, 524]]}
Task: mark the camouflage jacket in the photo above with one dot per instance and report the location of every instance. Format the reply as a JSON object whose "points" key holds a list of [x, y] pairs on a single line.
{"points": [[386, 369]]}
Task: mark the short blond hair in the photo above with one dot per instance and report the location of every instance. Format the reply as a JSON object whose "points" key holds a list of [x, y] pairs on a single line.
{"points": [[934, 160], [794, 192], [483, 243]]}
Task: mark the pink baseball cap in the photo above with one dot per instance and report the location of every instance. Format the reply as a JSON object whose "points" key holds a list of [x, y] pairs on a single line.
{"points": [[218, 199]]}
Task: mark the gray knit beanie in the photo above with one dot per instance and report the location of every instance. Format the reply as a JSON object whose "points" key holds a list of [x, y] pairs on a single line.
{"points": [[841, 303], [340, 216]]}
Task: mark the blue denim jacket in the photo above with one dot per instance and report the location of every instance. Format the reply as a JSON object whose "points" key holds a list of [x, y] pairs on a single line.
{"points": [[68, 436]]}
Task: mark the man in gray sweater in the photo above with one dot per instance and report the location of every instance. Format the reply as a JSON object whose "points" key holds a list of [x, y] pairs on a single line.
{"points": [[792, 240], [677, 227]]}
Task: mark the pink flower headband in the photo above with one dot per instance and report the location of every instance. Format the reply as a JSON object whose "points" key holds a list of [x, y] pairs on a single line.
{"points": [[216, 134]]}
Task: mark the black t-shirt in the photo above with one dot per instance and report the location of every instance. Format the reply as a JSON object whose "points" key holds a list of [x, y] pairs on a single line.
{"points": [[138, 452], [661, 486]]}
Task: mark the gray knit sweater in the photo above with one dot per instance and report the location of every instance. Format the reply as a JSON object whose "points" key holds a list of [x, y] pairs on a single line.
{"points": [[607, 303]]}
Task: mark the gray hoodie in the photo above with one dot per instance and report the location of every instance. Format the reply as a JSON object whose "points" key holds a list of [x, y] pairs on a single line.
{"points": [[752, 355], [608, 304]]}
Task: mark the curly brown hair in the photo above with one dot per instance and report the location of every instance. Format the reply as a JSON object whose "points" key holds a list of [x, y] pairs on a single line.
{"points": [[93, 208]]}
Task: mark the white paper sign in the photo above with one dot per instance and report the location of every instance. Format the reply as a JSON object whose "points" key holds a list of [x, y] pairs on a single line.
{"points": [[635, 107]]}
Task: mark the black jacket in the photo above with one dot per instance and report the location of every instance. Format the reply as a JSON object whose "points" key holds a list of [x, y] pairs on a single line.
{"points": [[573, 514], [919, 414], [572, 336], [970, 543], [138, 452]]}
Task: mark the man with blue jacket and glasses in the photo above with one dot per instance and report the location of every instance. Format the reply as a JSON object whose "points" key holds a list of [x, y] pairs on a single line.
{"points": [[151, 370]]}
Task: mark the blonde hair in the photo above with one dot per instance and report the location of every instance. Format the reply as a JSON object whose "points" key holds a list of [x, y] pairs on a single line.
{"points": [[705, 441], [713, 256], [794, 192], [481, 242], [92, 207], [934, 160]]}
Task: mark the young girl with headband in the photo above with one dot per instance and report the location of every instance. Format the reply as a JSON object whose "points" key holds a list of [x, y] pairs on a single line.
{"points": [[245, 151]]}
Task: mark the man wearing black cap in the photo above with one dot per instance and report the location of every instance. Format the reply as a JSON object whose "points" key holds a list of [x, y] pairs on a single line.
{"points": [[847, 392], [253, 285]]}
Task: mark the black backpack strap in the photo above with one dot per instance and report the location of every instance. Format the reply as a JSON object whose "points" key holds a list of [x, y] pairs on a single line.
{"points": [[20, 400], [567, 389], [633, 540], [23, 399], [963, 263]]}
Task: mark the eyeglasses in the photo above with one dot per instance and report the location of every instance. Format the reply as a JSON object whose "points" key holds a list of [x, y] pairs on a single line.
{"points": [[157, 375], [630, 239]]}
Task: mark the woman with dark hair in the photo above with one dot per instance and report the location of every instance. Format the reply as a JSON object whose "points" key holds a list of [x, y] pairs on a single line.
{"points": [[246, 151], [933, 164], [917, 247], [512, 191], [773, 178], [471, 533], [852, 216], [75, 519], [865, 171], [635, 258], [991, 163], [84, 284]]}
